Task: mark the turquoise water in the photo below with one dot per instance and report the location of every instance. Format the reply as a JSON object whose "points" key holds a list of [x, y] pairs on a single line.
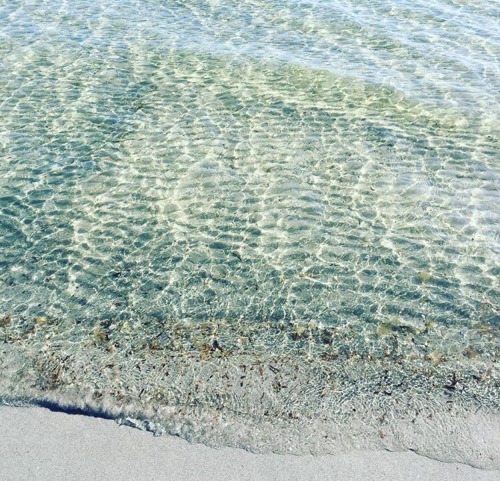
{"points": [[272, 225]]}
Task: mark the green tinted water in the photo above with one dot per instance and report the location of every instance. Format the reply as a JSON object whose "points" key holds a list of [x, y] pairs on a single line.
{"points": [[273, 226]]}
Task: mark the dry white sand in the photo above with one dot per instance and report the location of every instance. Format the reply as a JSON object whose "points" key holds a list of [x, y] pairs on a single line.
{"points": [[37, 444]]}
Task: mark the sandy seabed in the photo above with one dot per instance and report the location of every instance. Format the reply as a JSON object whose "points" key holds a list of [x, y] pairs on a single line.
{"points": [[37, 444]]}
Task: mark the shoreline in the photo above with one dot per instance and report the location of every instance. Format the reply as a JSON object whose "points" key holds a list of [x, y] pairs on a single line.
{"points": [[38, 444], [258, 403]]}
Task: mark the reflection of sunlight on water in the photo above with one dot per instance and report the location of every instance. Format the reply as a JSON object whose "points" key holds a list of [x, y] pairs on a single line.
{"points": [[250, 184]]}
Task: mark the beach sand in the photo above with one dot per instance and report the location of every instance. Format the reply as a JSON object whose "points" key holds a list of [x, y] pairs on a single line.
{"points": [[38, 444]]}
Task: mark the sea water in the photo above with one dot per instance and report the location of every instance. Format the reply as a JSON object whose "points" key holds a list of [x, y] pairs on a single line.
{"points": [[265, 224]]}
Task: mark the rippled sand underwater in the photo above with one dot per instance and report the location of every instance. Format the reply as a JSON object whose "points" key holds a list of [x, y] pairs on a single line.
{"points": [[267, 225]]}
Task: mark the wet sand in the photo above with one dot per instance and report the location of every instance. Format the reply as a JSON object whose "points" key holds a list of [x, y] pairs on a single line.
{"points": [[37, 444]]}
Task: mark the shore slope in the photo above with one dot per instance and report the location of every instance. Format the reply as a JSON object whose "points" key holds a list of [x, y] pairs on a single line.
{"points": [[37, 444]]}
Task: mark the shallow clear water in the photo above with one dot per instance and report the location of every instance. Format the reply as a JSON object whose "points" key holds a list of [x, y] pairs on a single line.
{"points": [[253, 210]]}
